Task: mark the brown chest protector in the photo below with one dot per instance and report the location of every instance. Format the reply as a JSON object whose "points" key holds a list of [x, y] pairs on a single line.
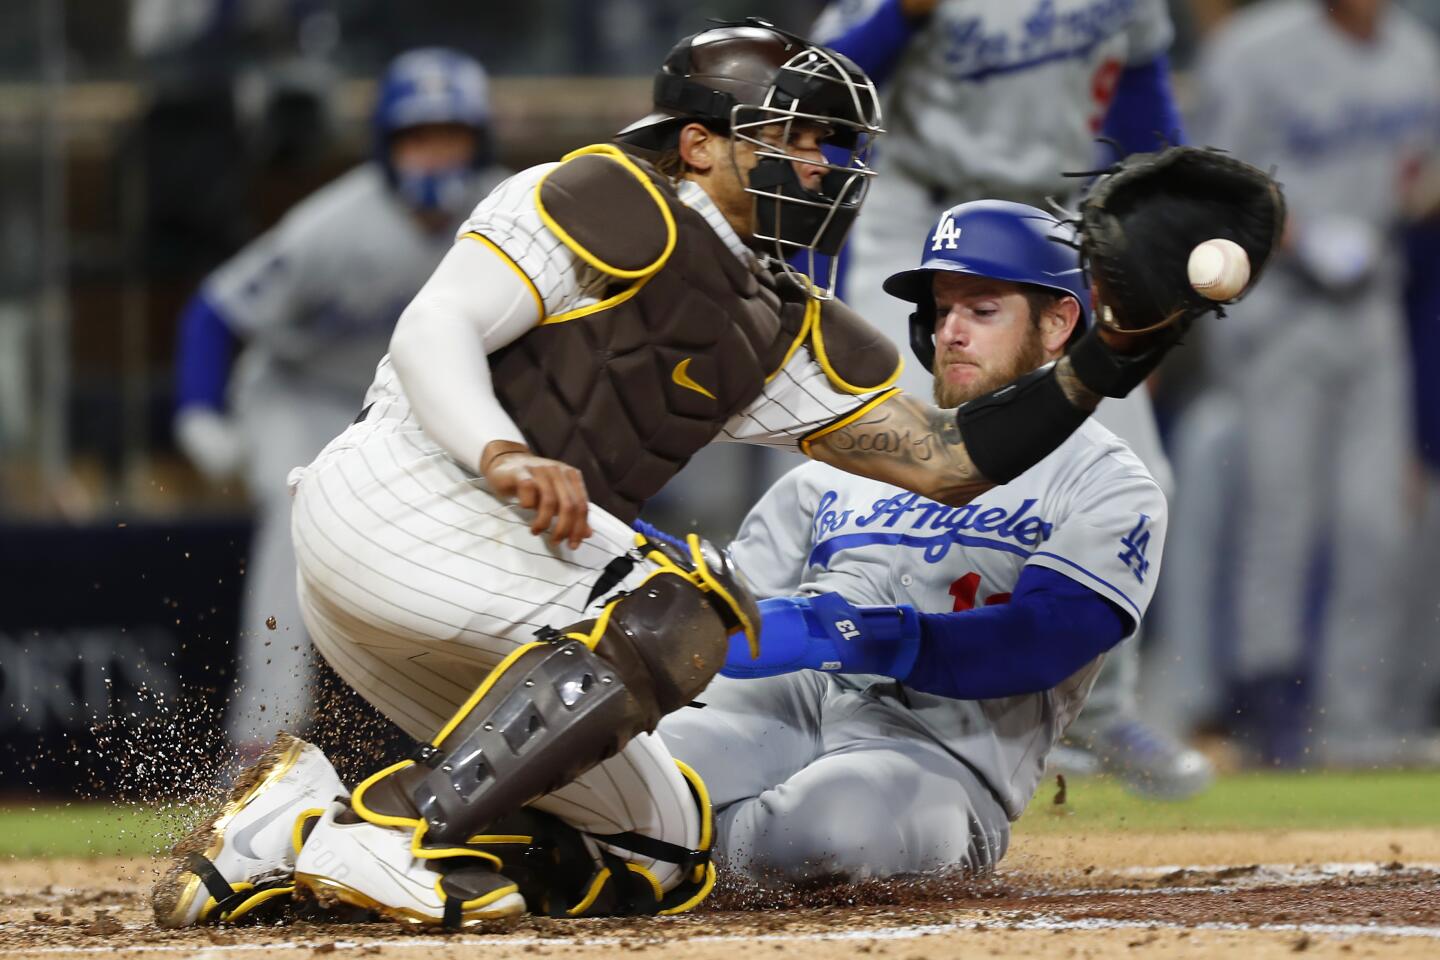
{"points": [[629, 389]]}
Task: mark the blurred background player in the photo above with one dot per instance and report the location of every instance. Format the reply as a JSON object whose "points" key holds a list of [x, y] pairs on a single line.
{"points": [[279, 344], [1343, 99], [997, 98]]}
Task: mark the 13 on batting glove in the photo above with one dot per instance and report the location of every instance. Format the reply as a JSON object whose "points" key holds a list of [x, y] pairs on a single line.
{"points": [[1138, 224], [825, 632]]}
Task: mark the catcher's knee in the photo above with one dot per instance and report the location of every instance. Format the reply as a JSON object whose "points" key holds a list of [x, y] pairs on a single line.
{"points": [[554, 708], [669, 637]]}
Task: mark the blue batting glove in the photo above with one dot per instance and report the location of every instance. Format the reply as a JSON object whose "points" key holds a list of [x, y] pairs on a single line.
{"points": [[826, 632]]}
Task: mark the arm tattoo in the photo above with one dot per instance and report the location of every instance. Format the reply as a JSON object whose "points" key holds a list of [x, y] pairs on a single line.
{"points": [[909, 443], [916, 446]]}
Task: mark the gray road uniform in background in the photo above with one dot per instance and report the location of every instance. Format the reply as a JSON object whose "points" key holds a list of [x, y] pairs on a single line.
{"points": [[312, 304], [815, 774], [998, 98], [315, 301], [1316, 357]]}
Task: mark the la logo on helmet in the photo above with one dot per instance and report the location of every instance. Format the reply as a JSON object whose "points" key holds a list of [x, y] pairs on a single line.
{"points": [[945, 235]]}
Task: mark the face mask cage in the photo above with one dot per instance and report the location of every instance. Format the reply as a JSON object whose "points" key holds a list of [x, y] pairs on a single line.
{"points": [[814, 89]]}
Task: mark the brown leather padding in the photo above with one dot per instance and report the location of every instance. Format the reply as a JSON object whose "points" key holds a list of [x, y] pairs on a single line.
{"points": [[629, 393], [859, 354], [606, 211]]}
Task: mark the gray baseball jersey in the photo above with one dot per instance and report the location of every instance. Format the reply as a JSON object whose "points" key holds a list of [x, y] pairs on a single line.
{"points": [[1345, 123], [317, 297], [951, 107], [1320, 371], [1090, 511]]}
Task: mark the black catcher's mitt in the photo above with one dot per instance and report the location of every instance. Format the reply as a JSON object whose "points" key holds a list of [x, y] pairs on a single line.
{"points": [[1141, 219]]}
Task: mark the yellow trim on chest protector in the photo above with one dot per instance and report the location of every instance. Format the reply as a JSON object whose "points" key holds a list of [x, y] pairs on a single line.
{"points": [[811, 317], [845, 421], [514, 267], [605, 304], [817, 344], [618, 155]]}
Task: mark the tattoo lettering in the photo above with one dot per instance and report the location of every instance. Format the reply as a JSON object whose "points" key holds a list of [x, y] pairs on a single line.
{"points": [[885, 433], [911, 444]]}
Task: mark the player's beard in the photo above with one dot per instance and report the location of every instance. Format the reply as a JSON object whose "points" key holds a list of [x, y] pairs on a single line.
{"points": [[1029, 355]]}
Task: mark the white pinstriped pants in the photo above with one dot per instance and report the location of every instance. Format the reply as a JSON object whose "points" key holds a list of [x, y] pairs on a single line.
{"points": [[415, 581]]}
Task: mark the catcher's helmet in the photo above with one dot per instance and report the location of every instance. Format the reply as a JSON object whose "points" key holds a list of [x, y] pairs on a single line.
{"points": [[990, 238], [744, 80], [433, 85]]}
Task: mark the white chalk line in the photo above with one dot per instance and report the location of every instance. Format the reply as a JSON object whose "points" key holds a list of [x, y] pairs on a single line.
{"points": [[996, 922], [1262, 875], [1302, 872]]}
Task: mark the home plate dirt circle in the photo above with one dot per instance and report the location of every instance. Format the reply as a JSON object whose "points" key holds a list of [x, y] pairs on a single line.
{"points": [[1343, 894]]}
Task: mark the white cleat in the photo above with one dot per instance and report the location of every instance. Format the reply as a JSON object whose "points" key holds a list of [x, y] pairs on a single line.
{"points": [[244, 855], [375, 868]]}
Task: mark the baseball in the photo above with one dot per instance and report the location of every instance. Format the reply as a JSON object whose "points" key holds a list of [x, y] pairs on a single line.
{"points": [[1219, 269]]}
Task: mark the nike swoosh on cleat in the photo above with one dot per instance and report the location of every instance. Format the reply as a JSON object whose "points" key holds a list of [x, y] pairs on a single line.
{"points": [[243, 837]]}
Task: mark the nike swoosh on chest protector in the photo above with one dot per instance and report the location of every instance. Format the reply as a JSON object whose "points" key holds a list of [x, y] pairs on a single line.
{"points": [[681, 376]]}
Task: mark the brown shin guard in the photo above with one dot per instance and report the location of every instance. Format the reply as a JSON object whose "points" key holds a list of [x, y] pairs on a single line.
{"points": [[555, 708]]}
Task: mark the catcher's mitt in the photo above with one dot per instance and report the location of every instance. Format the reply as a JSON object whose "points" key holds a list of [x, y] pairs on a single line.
{"points": [[1142, 218]]}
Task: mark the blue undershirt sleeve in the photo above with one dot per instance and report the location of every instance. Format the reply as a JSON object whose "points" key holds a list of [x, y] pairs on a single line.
{"points": [[1051, 627], [1143, 116], [876, 43], [203, 356]]}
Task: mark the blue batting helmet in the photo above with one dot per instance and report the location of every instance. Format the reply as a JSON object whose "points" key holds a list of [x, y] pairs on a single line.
{"points": [[432, 85], [990, 238]]}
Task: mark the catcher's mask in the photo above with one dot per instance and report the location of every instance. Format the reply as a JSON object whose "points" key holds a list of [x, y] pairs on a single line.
{"points": [[751, 81], [990, 238]]}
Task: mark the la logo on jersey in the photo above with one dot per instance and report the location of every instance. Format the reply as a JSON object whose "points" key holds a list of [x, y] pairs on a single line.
{"points": [[945, 235], [1136, 542]]}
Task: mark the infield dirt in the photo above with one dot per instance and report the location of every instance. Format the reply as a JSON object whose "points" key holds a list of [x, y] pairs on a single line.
{"points": [[1351, 893]]}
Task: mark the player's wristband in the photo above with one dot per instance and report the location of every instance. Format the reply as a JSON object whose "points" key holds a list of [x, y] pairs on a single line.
{"points": [[825, 632]]}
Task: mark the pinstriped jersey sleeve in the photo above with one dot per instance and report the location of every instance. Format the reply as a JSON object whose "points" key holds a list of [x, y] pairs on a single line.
{"points": [[799, 400], [508, 218]]}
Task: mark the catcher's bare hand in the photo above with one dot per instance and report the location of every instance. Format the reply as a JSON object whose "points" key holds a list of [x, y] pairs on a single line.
{"points": [[554, 490]]}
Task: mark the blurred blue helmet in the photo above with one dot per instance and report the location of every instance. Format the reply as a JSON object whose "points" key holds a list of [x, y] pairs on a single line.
{"points": [[990, 238], [434, 85]]}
